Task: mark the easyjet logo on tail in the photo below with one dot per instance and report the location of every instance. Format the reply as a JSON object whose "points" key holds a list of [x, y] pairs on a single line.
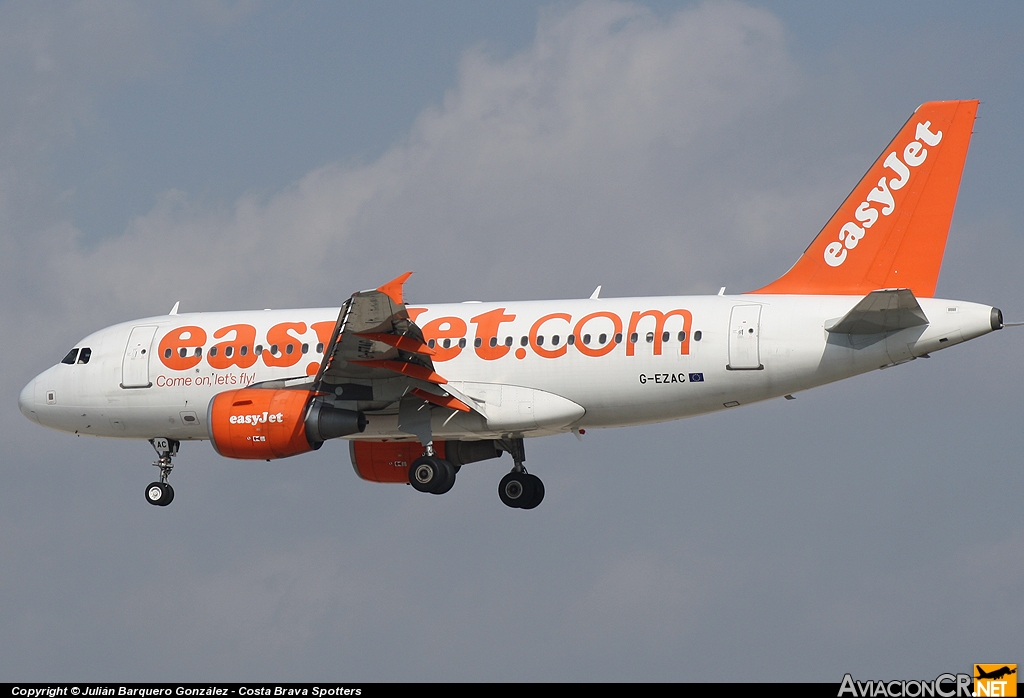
{"points": [[891, 230], [866, 214]]}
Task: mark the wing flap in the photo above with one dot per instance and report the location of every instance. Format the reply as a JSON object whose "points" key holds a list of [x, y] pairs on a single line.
{"points": [[375, 342]]}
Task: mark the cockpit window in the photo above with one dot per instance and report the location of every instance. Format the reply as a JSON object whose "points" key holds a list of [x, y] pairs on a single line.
{"points": [[84, 357], [70, 358]]}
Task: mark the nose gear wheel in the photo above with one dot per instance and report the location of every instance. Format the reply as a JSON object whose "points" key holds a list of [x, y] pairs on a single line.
{"points": [[159, 494]]}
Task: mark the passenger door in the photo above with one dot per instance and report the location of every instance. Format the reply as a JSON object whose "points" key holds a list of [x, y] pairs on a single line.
{"points": [[744, 343], [135, 365]]}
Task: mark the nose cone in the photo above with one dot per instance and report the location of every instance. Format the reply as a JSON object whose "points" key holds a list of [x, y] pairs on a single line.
{"points": [[27, 401]]}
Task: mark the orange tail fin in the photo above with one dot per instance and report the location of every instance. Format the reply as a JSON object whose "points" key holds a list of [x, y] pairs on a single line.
{"points": [[891, 231]]}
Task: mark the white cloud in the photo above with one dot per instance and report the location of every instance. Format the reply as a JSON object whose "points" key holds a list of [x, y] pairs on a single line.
{"points": [[583, 157]]}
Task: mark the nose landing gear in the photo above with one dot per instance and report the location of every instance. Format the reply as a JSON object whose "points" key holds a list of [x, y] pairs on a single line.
{"points": [[160, 493]]}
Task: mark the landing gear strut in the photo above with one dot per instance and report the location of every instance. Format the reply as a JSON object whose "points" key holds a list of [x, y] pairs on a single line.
{"points": [[160, 493], [519, 489], [428, 473]]}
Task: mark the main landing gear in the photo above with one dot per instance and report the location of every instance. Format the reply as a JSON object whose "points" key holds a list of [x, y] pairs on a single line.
{"points": [[160, 493], [519, 489], [428, 473]]}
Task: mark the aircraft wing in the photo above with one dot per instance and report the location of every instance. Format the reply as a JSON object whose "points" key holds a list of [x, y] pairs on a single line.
{"points": [[887, 310], [376, 343]]}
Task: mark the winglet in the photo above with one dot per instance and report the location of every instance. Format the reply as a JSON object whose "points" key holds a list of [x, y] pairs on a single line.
{"points": [[393, 288]]}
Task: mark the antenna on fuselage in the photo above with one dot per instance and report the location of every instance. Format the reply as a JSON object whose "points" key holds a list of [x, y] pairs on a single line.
{"points": [[174, 310], [596, 294]]}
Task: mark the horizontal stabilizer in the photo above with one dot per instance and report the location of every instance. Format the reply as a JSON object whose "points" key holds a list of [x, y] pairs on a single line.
{"points": [[887, 310]]}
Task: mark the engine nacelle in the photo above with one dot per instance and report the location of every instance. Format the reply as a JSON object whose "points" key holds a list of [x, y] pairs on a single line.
{"points": [[389, 461], [263, 424]]}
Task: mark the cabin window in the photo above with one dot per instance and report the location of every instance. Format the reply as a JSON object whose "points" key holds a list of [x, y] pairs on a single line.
{"points": [[493, 342], [431, 344], [228, 351], [213, 351], [508, 341], [259, 349], [650, 337], [199, 351], [243, 350], [320, 348], [273, 349], [167, 355], [555, 340], [85, 355], [665, 336], [447, 344], [523, 341], [602, 339], [462, 343], [289, 349], [633, 338], [479, 342], [571, 339], [305, 348], [586, 339], [697, 335], [540, 340], [682, 336], [183, 352]]}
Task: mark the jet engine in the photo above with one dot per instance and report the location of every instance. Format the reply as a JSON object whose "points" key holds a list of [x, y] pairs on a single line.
{"points": [[263, 424]]}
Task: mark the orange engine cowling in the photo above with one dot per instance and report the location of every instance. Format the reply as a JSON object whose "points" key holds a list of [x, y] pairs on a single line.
{"points": [[263, 424], [389, 461]]}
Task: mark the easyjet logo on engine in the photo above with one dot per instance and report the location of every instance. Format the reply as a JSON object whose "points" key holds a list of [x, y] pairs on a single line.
{"points": [[914, 155], [256, 418]]}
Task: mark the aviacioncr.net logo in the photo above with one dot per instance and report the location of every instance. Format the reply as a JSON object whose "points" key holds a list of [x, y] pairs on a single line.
{"points": [[943, 686]]}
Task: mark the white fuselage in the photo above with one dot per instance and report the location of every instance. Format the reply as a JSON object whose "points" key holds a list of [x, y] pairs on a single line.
{"points": [[707, 353]]}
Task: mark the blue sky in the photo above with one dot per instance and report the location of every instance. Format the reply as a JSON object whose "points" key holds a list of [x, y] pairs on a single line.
{"points": [[249, 155]]}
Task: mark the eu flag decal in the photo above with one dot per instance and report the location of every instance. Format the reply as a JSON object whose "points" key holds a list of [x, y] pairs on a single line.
{"points": [[696, 377]]}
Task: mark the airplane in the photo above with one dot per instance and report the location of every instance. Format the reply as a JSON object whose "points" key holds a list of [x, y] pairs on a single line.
{"points": [[419, 391], [995, 674]]}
